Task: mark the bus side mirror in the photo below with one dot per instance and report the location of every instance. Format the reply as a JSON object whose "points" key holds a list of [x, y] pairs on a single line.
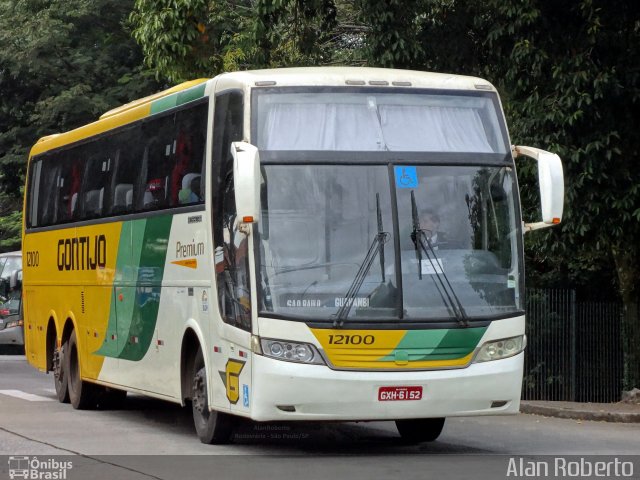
{"points": [[551, 179], [16, 280], [246, 172]]}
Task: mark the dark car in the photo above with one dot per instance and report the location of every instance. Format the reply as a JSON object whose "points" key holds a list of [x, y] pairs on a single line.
{"points": [[11, 320]]}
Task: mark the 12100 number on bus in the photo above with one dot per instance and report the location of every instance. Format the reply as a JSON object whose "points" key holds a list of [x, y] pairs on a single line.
{"points": [[351, 339]]}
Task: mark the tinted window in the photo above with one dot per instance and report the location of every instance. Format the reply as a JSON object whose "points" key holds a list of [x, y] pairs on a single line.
{"points": [[125, 187], [98, 168], [155, 164], [187, 181]]}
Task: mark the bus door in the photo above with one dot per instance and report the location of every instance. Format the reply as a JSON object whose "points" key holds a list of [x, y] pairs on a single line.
{"points": [[232, 336]]}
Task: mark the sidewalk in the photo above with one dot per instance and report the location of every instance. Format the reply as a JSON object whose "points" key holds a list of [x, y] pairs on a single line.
{"points": [[599, 412]]}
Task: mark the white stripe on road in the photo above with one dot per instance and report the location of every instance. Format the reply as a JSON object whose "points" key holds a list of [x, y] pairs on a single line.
{"points": [[26, 396]]}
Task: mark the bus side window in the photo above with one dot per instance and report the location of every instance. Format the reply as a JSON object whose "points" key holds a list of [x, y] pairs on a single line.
{"points": [[187, 181], [231, 246], [31, 214], [67, 178], [44, 208], [157, 162], [99, 165], [126, 171]]}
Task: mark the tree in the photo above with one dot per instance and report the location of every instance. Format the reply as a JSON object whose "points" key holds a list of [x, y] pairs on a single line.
{"points": [[184, 39], [62, 64], [571, 77]]}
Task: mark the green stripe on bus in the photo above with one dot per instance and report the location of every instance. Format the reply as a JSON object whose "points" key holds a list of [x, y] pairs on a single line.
{"points": [[111, 347], [180, 98], [439, 344], [147, 296]]}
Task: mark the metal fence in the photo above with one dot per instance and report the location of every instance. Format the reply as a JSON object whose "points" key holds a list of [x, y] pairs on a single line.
{"points": [[574, 350]]}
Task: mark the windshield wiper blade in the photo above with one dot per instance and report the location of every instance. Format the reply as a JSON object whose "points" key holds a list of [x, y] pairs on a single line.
{"points": [[380, 232], [414, 233], [423, 244], [376, 248]]}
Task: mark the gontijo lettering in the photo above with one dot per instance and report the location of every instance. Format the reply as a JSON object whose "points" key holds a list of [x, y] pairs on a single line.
{"points": [[82, 253]]}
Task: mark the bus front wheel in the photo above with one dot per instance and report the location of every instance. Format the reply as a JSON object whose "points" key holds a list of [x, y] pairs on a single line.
{"points": [[212, 427], [419, 430], [81, 393], [60, 378]]}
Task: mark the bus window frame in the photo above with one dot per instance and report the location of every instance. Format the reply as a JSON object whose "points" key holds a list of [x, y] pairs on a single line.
{"points": [[94, 139]]}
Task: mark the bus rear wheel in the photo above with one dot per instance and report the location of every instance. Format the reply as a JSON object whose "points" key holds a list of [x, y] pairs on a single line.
{"points": [[60, 378], [81, 393], [212, 427], [420, 430]]}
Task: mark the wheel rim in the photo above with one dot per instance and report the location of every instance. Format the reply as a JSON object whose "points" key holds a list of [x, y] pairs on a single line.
{"points": [[58, 355]]}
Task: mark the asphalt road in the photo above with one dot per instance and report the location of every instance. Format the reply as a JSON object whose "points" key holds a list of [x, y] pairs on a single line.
{"points": [[32, 423]]}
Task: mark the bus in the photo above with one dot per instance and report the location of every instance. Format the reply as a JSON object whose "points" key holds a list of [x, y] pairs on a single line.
{"points": [[330, 244]]}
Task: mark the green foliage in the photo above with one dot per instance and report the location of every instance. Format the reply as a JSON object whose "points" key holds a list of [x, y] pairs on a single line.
{"points": [[185, 39], [190, 38], [571, 80], [62, 64], [393, 27]]}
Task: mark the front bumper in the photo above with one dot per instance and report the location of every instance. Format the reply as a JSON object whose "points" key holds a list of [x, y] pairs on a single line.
{"points": [[315, 392], [12, 336]]}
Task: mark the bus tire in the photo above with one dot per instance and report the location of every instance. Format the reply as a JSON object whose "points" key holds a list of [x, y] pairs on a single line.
{"points": [[81, 394], [418, 430], [60, 378], [212, 427]]}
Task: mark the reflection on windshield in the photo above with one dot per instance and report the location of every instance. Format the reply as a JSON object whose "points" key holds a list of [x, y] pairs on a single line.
{"points": [[315, 233], [319, 221], [468, 216]]}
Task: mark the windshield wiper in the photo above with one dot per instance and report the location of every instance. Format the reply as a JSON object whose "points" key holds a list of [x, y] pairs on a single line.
{"points": [[376, 248], [423, 244]]}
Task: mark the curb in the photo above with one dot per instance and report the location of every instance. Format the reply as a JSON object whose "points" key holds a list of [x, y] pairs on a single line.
{"points": [[617, 417]]}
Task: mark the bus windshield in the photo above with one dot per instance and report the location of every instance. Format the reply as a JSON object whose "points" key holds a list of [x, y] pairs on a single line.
{"points": [[319, 222], [370, 120]]}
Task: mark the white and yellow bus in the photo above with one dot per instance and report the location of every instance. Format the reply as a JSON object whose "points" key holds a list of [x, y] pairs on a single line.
{"points": [[297, 244]]}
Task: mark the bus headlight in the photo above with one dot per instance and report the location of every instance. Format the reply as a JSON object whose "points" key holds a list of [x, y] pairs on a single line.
{"points": [[498, 349], [291, 351]]}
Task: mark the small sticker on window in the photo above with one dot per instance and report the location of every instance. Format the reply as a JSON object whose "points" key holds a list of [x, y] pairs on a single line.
{"points": [[406, 177], [245, 395], [511, 283]]}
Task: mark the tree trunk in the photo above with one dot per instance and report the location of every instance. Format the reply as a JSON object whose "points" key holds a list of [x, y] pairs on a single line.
{"points": [[627, 260]]}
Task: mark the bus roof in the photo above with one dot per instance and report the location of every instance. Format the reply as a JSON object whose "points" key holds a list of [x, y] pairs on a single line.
{"points": [[125, 114], [354, 76], [307, 76]]}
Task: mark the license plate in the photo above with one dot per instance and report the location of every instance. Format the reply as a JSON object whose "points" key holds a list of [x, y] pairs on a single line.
{"points": [[391, 394]]}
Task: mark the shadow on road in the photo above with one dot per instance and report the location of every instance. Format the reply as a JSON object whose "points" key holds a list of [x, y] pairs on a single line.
{"points": [[317, 438]]}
